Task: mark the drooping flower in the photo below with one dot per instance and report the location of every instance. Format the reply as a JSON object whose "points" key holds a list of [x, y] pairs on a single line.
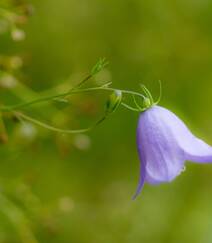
{"points": [[164, 144]]}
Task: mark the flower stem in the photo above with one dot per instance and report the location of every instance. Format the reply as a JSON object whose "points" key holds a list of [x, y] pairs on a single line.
{"points": [[55, 129], [129, 107], [65, 94]]}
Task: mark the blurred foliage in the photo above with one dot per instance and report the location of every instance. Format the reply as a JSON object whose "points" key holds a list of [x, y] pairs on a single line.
{"points": [[78, 188]]}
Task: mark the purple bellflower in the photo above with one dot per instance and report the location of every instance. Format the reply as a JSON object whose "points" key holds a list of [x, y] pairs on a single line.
{"points": [[164, 144]]}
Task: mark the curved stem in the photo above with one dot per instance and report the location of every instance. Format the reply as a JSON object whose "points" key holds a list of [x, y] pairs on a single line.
{"points": [[68, 93], [148, 94], [129, 107], [55, 129], [82, 82], [136, 103], [160, 94]]}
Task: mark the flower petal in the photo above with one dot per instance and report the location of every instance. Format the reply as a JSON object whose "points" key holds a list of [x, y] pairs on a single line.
{"points": [[164, 143], [142, 170], [199, 151], [162, 157], [194, 148]]}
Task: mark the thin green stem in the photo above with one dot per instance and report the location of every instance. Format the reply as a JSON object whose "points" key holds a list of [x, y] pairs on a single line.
{"points": [[160, 94], [130, 107], [82, 82], [148, 94], [136, 103], [55, 129], [65, 94]]}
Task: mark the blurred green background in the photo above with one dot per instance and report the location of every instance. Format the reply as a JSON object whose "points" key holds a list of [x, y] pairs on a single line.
{"points": [[78, 188]]}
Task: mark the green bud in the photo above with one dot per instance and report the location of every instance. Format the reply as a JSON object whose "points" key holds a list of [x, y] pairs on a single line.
{"points": [[147, 103], [114, 101], [99, 66]]}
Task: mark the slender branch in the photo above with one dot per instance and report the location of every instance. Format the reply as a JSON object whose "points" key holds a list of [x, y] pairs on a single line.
{"points": [[82, 82], [68, 93], [55, 129], [148, 94], [129, 107], [160, 92], [136, 103]]}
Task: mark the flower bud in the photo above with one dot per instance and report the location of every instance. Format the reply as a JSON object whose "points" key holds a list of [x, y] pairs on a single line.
{"points": [[99, 66], [114, 101], [147, 103]]}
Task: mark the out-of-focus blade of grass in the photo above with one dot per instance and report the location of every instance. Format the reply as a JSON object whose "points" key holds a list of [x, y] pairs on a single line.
{"points": [[18, 219], [26, 94], [3, 132]]}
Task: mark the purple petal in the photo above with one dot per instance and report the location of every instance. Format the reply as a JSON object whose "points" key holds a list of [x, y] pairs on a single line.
{"points": [[199, 151], [162, 157], [142, 169], [164, 143], [194, 148]]}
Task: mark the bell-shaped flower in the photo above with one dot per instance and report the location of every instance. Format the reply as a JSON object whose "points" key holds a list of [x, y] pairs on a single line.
{"points": [[164, 144]]}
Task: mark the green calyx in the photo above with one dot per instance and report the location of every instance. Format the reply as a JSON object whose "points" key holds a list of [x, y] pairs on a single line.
{"points": [[147, 100], [147, 103]]}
